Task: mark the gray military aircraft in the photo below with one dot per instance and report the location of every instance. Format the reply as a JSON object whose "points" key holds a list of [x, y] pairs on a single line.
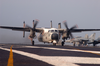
{"points": [[82, 40], [94, 42], [49, 35]]}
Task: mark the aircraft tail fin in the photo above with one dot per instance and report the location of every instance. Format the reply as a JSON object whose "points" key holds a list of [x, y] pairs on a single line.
{"points": [[92, 37], [98, 39], [86, 36]]}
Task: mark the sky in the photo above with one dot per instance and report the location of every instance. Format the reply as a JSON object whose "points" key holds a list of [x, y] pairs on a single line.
{"points": [[84, 13]]}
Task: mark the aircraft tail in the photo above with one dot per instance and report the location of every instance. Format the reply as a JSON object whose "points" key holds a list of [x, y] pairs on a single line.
{"points": [[86, 36], [92, 37], [98, 39]]}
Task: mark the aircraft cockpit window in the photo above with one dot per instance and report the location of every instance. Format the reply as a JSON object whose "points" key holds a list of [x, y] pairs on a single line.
{"points": [[52, 30], [56, 30]]}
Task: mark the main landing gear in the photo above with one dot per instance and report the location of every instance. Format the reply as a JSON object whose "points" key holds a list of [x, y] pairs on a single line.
{"points": [[74, 44], [32, 41], [94, 44], [62, 43]]}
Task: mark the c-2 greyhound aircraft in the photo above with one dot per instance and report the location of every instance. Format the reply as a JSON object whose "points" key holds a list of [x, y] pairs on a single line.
{"points": [[49, 35]]}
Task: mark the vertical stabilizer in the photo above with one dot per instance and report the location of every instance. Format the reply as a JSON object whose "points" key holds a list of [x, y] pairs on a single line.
{"points": [[98, 39], [86, 36], [92, 37]]}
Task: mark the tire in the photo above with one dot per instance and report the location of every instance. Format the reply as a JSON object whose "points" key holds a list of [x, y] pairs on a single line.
{"points": [[74, 44], [54, 44], [62, 43], [94, 45], [78, 45], [32, 43]]}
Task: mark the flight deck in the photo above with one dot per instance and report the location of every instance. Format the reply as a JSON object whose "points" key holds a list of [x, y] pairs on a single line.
{"points": [[48, 55]]}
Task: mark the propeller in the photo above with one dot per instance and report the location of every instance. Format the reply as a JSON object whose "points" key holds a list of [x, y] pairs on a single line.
{"points": [[35, 22], [27, 26], [32, 29], [68, 30]]}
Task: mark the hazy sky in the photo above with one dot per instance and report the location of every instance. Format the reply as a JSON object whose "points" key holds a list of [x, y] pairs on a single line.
{"points": [[84, 13]]}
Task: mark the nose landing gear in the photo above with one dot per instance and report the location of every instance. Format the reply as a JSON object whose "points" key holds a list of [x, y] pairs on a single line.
{"points": [[54, 44]]}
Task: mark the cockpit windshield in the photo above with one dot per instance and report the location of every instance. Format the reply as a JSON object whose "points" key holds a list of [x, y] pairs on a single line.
{"points": [[53, 31], [56, 30]]}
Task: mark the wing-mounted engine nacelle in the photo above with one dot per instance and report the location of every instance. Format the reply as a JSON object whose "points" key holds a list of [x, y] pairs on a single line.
{"points": [[32, 30], [64, 36], [32, 34]]}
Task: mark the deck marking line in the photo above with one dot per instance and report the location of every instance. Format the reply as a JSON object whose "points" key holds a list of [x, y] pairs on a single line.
{"points": [[58, 60], [73, 49], [10, 60], [87, 51]]}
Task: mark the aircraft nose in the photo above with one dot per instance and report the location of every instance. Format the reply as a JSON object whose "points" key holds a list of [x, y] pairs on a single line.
{"points": [[54, 36]]}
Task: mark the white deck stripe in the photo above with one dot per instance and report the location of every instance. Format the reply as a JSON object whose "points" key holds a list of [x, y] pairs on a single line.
{"points": [[59, 60], [73, 49]]}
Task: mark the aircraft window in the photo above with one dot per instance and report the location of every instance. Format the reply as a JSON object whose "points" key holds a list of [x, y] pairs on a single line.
{"points": [[56, 31], [52, 30]]}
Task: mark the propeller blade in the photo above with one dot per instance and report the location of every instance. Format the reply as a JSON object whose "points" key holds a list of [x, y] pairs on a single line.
{"points": [[35, 24], [68, 31], [71, 35], [75, 26], [65, 23], [27, 26]]}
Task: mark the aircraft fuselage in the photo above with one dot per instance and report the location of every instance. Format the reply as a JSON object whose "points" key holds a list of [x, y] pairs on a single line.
{"points": [[49, 36]]}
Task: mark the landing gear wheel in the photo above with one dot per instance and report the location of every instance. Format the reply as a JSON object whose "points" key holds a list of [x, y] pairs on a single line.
{"points": [[54, 44], [62, 43], [32, 43], [79, 45], [93, 44], [74, 44]]}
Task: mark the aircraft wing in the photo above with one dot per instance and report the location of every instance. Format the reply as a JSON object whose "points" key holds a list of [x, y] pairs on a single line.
{"points": [[81, 30], [21, 28], [61, 30], [85, 40], [78, 30]]}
